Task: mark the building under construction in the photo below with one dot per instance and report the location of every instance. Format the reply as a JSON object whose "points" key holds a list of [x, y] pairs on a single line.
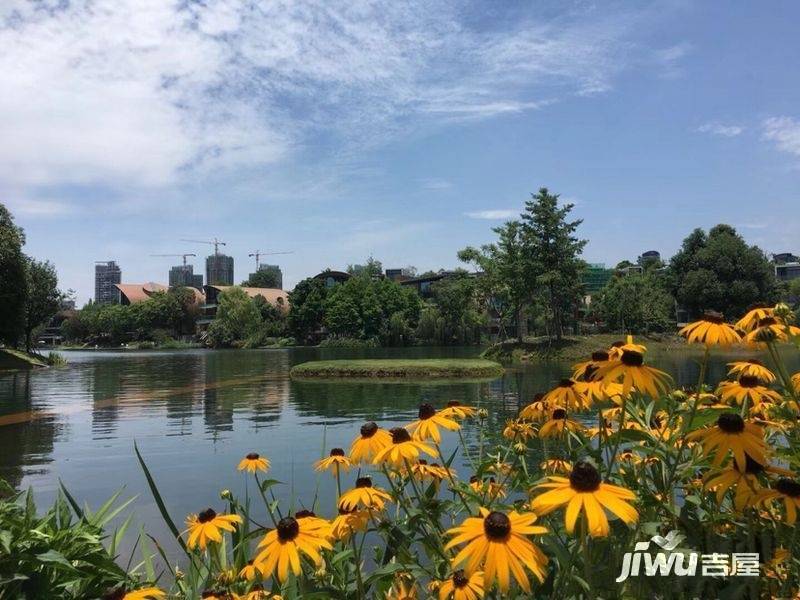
{"points": [[106, 275], [219, 269], [183, 276]]}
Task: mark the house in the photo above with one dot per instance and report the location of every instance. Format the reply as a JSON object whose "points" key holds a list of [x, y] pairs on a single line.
{"points": [[274, 296], [133, 293]]}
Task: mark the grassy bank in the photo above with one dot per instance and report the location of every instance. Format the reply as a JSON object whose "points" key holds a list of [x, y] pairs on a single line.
{"points": [[15, 360], [573, 348], [399, 368]]}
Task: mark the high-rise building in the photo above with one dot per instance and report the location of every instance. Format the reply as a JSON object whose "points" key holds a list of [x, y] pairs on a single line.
{"points": [[276, 270], [106, 275], [595, 276], [219, 270], [183, 276]]}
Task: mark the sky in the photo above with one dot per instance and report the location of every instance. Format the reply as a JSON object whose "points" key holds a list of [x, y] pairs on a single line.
{"points": [[401, 130]]}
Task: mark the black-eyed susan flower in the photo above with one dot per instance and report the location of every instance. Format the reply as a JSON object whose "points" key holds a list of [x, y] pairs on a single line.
{"points": [[498, 542], [615, 350], [710, 330], [462, 586], [422, 471], [751, 367], [372, 440], [403, 588], [788, 491], [208, 526], [488, 487], [364, 495], [559, 424], [597, 390], [249, 571], [537, 410], [253, 462], [631, 371], [335, 462], [744, 483], [556, 465], [147, 593], [796, 382], [772, 329], [402, 449], [282, 547], [427, 426], [257, 592], [517, 429], [754, 314], [586, 369], [456, 410], [750, 388], [585, 491], [734, 434], [348, 522], [568, 395]]}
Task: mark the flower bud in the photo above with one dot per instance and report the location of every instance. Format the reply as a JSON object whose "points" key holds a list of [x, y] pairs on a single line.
{"points": [[483, 413]]}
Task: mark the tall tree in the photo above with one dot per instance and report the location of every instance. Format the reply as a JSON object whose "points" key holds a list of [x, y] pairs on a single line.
{"points": [[553, 257], [13, 280], [637, 303], [371, 268], [719, 271], [43, 299], [268, 277], [307, 308]]}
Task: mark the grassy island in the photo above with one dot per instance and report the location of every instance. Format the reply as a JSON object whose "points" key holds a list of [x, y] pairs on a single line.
{"points": [[399, 368]]}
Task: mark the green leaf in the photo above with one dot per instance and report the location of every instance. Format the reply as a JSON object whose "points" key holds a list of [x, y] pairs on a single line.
{"points": [[55, 557]]}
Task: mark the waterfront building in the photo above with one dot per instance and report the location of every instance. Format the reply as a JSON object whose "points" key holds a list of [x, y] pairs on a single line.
{"points": [[219, 269], [184, 276], [787, 266], [332, 278], [208, 310], [106, 276], [648, 258]]}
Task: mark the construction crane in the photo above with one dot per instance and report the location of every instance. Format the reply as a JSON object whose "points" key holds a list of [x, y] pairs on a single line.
{"points": [[216, 243], [181, 255], [258, 254]]}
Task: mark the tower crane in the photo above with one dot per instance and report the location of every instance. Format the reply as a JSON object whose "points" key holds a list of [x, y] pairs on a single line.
{"points": [[181, 255], [258, 254], [216, 243]]}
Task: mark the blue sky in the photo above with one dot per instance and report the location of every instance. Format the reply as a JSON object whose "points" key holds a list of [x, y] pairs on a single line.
{"points": [[401, 130]]}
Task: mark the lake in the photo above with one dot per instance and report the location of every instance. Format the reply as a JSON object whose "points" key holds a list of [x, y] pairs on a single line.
{"points": [[196, 413]]}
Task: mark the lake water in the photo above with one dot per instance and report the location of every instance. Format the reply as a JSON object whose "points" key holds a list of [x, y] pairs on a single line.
{"points": [[195, 414]]}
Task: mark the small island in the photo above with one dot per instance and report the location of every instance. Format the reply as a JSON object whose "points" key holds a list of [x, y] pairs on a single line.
{"points": [[432, 368]]}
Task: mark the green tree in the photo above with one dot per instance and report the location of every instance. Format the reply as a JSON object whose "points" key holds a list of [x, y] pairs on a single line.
{"points": [[718, 271], [237, 318], [552, 258], [13, 280], [637, 303], [371, 268], [307, 308], [455, 315], [43, 297], [268, 277]]}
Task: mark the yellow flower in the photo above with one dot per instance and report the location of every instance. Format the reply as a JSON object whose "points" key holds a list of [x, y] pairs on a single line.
{"points": [[518, 430], [744, 483], [462, 586], [733, 433], [585, 490], [488, 487], [402, 449], [710, 330], [427, 426], [206, 527], [364, 495], [348, 522], [796, 382], [371, 441], [747, 387], [559, 424], [771, 329], [630, 368], [149, 593], [754, 314], [456, 410], [556, 465], [284, 545], [788, 491], [498, 542], [403, 588], [586, 370], [422, 470], [336, 462], [249, 571], [536, 410], [253, 462], [751, 367], [567, 394]]}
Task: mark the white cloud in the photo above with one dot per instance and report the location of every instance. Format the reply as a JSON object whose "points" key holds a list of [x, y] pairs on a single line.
{"points": [[494, 214], [38, 208], [721, 129], [138, 93], [670, 59], [784, 132]]}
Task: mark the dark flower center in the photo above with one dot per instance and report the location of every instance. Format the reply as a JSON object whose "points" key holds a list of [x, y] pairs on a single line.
{"points": [[369, 429], [288, 529], [788, 487], [618, 344], [115, 594], [363, 482], [459, 579], [566, 383], [754, 361], [207, 515], [400, 435], [497, 526], [584, 477], [730, 423], [631, 358], [304, 513], [538, 396], [208, 594], [767, 321], [473, 479], [752, 467], [454, 403], [252, 456], [599, 356], [422, 461], [426, 411], [589, 372], [559, 413], [713, 317], [749, 381], [337, 452]]}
